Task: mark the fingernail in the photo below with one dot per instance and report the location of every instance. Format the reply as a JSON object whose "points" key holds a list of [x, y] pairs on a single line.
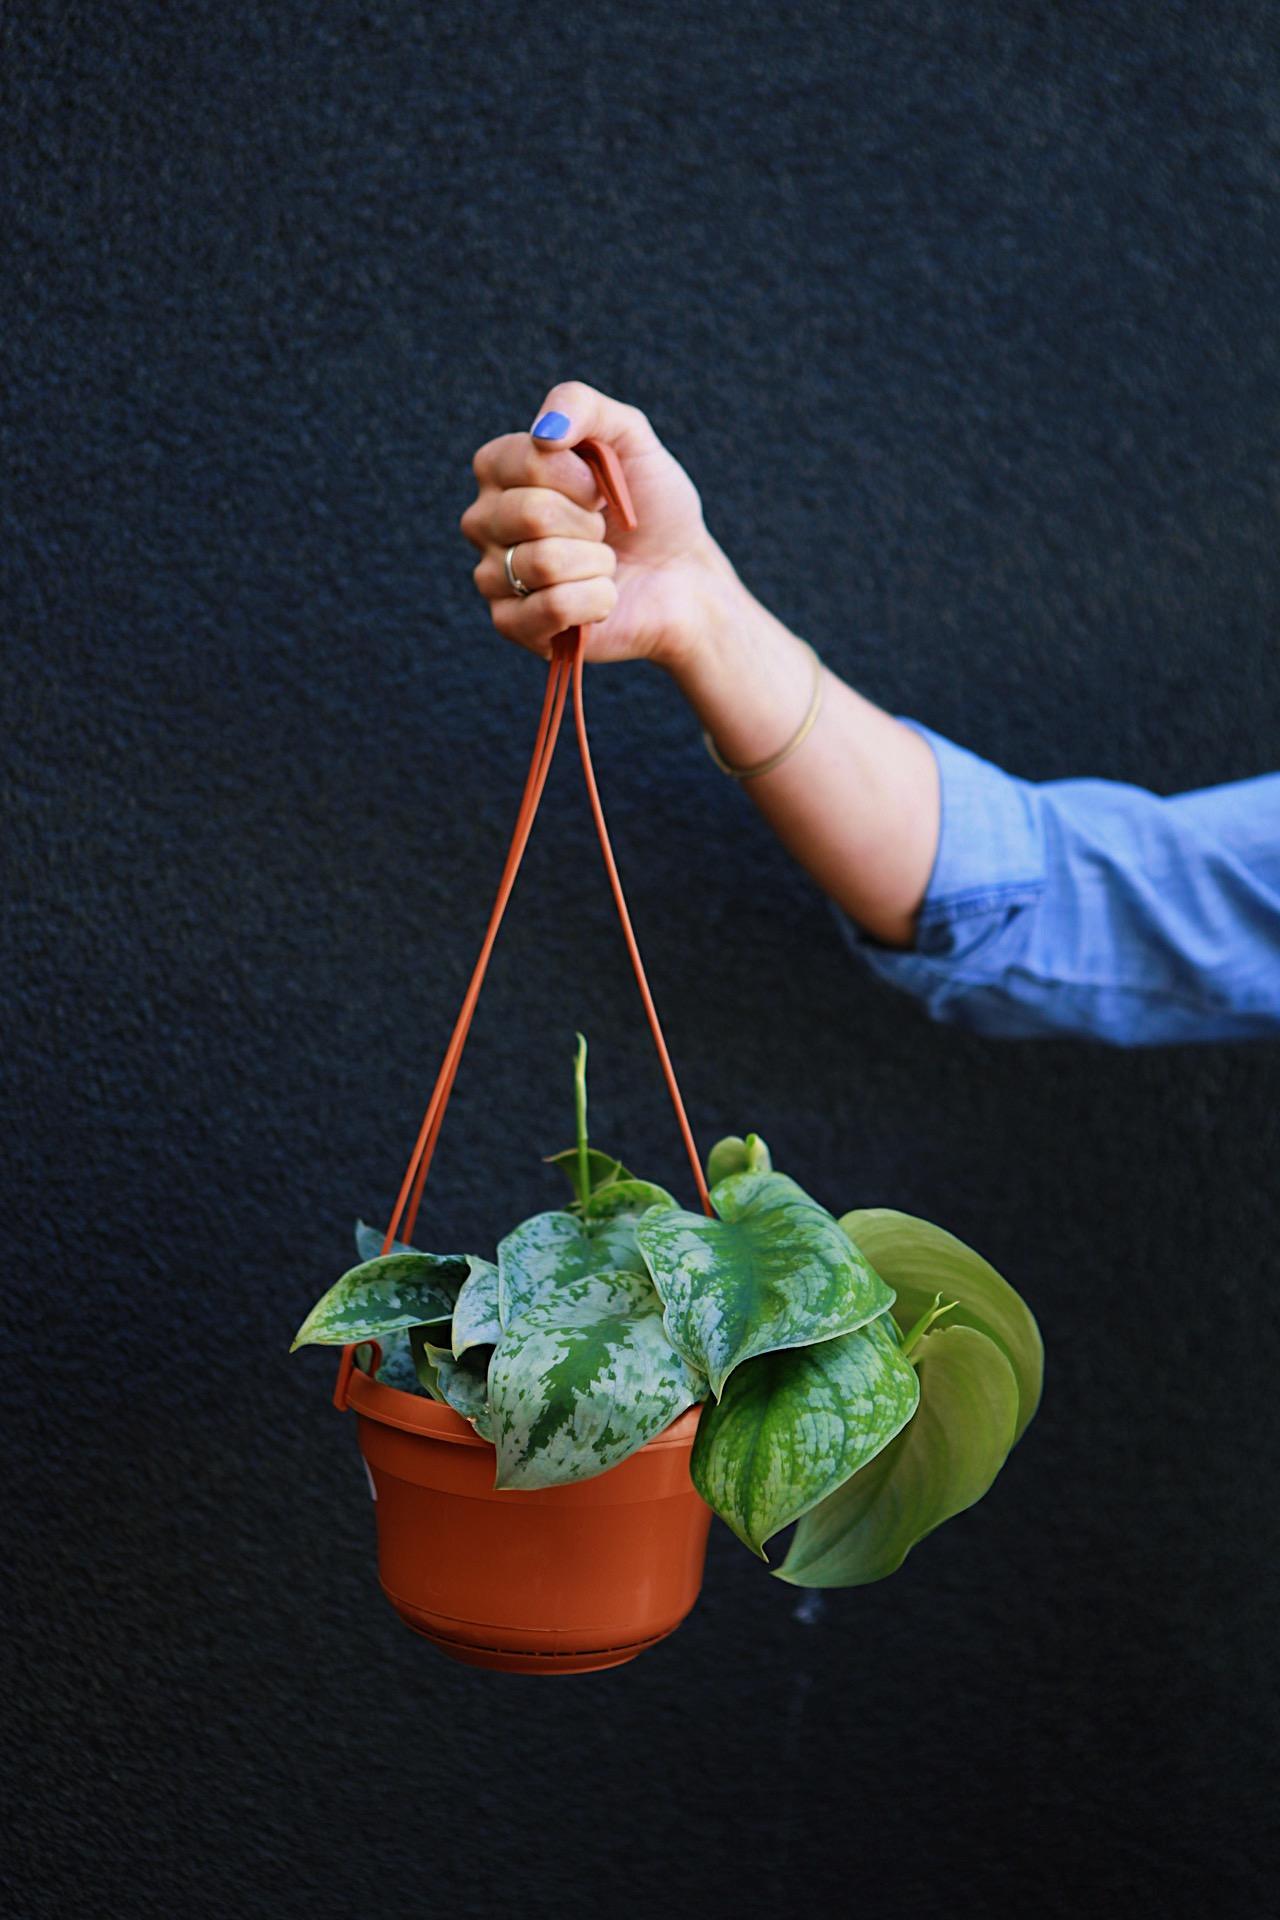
{"points": [[552, 426]]}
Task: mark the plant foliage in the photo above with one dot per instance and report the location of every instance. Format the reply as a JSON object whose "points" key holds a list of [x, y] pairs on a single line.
{"points": [[864, 1377]]}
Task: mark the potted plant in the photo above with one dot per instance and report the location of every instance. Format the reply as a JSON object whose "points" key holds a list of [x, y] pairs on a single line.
{"points": [[548, 1432]]}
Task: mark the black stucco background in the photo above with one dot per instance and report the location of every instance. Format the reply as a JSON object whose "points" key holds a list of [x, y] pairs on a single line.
{"points": [[963, 319]]}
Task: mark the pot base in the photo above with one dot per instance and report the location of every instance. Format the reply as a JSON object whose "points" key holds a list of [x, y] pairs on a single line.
{"points": [[499, 1660]]}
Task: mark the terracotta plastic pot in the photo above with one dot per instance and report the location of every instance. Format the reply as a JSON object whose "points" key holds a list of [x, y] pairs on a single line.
{"points": [[563, 1580]]}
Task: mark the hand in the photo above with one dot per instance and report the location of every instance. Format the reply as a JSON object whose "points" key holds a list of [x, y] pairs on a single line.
{"points": [[858, 803], [640, 594]]}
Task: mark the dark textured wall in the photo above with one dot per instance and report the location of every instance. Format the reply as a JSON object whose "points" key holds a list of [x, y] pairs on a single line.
{"points": [[964, 321]]}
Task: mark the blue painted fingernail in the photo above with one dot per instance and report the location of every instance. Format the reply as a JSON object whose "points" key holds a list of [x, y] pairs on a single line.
{"points": [[552, 426]]}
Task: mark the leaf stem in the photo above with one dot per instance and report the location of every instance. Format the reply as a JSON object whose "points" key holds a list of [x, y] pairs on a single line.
{"points": [[580, 1116], [923, 1324]]}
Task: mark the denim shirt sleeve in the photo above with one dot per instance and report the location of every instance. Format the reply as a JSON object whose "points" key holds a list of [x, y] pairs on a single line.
{"points": [[1094, 908]]}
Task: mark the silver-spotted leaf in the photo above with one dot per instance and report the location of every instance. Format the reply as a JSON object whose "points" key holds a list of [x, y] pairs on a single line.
{"points": [[584, 1378], [377, 1297], [920, 1260], [631, 1197], [942, 1463], [396, 1368], [543, 1254], [736, 1155], [460, 1384], [774, 1270], [475, 1316], [793, 1426], [369, 1242]]}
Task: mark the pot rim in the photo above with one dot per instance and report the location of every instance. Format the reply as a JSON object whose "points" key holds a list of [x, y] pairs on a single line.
{"points": [[412, 1413]]}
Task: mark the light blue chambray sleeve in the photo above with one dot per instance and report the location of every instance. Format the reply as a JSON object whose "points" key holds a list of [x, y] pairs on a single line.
{"points": [[1094, 908]]}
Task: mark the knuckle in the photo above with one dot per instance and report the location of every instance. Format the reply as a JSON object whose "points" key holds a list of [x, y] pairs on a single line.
{"points": [[472, 522], [550, 560], [559, 604], [541, 515]]}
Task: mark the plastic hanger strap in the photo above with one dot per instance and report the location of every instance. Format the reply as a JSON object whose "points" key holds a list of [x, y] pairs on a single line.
{"points": [[566, 667], [410, 1194], [411, 1187], [628, 931]]}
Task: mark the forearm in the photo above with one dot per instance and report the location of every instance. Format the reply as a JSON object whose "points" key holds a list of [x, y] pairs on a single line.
{"points": [[857, 803]]}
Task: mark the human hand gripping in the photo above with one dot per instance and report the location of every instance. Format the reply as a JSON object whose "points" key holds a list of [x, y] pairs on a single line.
{"points": [[857, 801], [639, 595]]}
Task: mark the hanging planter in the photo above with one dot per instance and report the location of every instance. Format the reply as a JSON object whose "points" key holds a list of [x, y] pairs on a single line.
{"points": [[560, 1580], [547, 1433]]}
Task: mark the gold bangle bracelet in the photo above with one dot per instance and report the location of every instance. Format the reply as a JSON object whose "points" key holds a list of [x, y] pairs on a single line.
{"points": [[800, 735]]}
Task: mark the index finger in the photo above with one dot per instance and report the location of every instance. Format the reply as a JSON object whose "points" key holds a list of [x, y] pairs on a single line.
{"points": [[515, 460]]}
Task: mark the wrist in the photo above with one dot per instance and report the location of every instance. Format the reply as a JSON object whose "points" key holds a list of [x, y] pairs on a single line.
{"points": [[716, 612], [747, 677]]}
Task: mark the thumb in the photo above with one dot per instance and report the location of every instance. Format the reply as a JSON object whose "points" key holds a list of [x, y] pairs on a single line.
{"points": [[573, 411]]}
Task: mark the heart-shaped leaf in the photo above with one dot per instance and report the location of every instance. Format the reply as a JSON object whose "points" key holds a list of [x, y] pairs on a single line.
{"points": [[794, 1425], [631, 1197], [944, 1460], [396, 1368], [920, 1260], [543, 1254], [460, 1384], [475, 1316], [602, 1169], [395, 1290], [735, 1155], [583, 1379], [369, 1243], [774, 1270]]}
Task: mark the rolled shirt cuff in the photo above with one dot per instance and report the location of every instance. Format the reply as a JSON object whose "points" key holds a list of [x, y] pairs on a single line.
{"points": [[990, 866]]}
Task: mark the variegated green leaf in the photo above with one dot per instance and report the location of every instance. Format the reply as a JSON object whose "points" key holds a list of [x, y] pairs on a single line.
{"points": [[475, 1317], [396, 1290], [369, 1243], [602, 1168], [795, 1425], [735, 1155], [584, 1378], [423, 1366], [396, 1368], [460, 1384], [543, 1254], [631, 1197], [944, 1460], [919, 1260], [774, 1270]]}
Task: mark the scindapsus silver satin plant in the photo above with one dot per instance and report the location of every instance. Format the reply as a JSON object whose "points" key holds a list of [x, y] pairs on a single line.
{"points": [[864, 1376]]}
